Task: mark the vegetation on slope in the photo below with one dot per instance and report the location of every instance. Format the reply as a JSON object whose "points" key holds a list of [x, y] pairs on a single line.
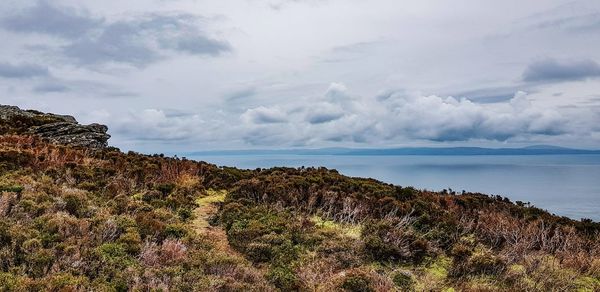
{"points": [[74, 219]]}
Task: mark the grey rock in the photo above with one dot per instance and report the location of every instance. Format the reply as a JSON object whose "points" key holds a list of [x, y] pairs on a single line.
{"points": [[59, 129], [8, 112]]}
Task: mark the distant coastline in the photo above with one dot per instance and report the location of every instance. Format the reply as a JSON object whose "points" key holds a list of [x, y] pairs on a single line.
{"points": [[442, 151]]}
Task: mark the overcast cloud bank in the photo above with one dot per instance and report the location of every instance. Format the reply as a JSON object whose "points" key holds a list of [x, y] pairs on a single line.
{"points": [[198, 74]]}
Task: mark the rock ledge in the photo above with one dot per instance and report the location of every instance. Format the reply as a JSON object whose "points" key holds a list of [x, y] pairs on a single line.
{"points": [[59, 129]]}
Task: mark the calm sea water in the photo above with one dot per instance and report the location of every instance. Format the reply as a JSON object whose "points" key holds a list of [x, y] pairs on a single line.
{"points": [[567, 185]]}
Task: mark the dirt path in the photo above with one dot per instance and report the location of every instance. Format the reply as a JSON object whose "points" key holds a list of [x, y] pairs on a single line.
{"points": [[207, 207]]}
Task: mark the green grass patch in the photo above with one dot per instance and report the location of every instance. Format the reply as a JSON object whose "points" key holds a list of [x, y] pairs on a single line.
{"points": [[349, 230], [439, 267], [212, 196]]}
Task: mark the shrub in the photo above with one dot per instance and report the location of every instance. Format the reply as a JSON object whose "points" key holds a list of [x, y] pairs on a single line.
{"points": [[65, 282], [39, 261], [283, 278], [481, 261], [5, 237], [343, 252], [357, 281], [131, 240], [165, 189], [172, 252], [150, 225], [175, 231], [75, 204], [12, 188], [403, 280], [8, 282], [184, 213], [394, 240], [259, 252], [114, 255]]}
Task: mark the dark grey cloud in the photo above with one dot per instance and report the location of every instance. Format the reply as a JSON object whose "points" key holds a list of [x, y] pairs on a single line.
{"points": [[22, 71], [552, 70], [119, 42], [137, 41], [46, 18], [144, 40], [323, 117]]}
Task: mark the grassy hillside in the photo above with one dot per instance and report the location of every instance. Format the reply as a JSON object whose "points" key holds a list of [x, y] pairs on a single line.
{"points": [[74, 219]]}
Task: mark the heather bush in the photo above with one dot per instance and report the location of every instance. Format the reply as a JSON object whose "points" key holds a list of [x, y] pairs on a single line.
{"points": [[394, 240]]}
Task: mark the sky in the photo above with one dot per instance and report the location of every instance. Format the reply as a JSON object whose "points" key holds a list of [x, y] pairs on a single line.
{"points": [[188, 75]]}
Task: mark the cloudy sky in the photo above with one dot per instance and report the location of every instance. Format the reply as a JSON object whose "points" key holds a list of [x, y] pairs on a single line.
{"points": [[184, 75]]}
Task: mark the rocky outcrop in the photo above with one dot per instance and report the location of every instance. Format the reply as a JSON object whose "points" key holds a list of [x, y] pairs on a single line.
{"points": [[93, 135], [60, 129]]}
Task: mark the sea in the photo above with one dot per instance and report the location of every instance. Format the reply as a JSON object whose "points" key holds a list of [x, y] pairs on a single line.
{"points": [[565, 185]]}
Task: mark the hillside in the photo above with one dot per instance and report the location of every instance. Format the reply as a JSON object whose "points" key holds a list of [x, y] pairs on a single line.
{"points": [[77, 215]]}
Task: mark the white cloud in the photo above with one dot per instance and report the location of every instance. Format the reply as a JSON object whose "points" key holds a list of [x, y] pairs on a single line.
{"points": [[448, 119], [339, 117]]}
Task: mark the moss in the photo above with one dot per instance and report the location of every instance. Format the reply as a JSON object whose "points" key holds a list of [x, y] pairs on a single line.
{"points": [[439, 267]]}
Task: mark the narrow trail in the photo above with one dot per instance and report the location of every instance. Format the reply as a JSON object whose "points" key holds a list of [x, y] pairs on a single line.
{"points": [[207, 207]]}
